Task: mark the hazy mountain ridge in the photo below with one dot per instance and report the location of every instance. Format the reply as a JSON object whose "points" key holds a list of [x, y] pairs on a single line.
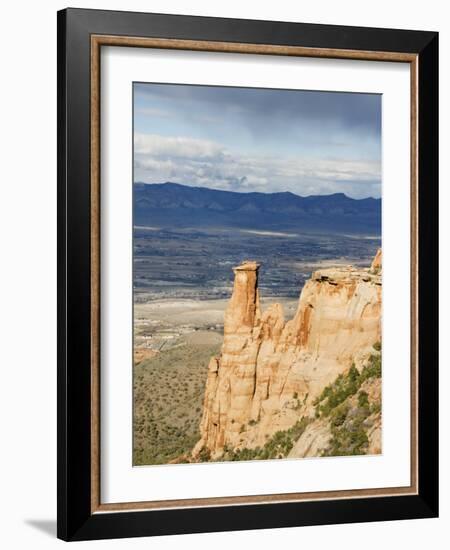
{"points": [[173, 204]]}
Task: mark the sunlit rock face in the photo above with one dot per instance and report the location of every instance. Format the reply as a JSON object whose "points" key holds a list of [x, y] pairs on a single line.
{"points": [[376, 264], [270, 371]]}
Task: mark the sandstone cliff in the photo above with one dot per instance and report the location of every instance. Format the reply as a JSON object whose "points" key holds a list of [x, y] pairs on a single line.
{"points": [[270, 372]]}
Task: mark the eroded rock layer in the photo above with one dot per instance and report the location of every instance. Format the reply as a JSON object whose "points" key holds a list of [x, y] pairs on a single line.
{"points": [[270, 371]]}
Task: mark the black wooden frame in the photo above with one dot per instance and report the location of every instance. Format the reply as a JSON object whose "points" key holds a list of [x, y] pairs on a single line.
{"points": [[75, 520]]}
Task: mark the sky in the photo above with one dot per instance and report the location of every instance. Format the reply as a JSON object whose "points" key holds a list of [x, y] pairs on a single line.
{"points": [[255, 139]]}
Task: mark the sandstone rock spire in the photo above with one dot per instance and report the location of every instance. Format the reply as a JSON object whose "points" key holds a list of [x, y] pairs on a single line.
{"points": [[243, 310], [270, 371]]}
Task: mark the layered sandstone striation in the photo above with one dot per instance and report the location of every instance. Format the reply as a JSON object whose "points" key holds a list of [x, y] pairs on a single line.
{"points": [[270, 371]]}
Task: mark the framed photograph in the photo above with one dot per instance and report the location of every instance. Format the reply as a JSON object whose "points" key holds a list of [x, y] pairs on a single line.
{"points": [[247, 274]]}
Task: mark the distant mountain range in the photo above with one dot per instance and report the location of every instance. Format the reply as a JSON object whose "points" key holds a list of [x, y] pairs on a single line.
{"points": [[175, 205]]}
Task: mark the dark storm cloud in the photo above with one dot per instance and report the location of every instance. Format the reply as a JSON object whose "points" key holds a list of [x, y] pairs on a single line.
{"points": [[358, 112]]}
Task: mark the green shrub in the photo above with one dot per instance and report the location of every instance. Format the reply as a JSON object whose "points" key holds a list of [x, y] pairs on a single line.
{"points": [[345, 386], [278, 446], [347, 441], [375, 408], [363, 399], [204, 455], [339, 415], [337, 392], [348, 435], [373, 369]]}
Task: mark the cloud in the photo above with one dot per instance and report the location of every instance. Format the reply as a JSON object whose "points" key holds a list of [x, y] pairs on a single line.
{"points": [[206, 163], [176, 147], [261, 108], [153, 112], [247, 139]]}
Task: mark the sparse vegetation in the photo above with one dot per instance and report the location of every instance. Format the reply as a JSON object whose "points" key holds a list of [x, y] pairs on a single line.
{"points": [[346, 385], [168, 398], [348, 414], [363, 399], [278, 446], [347, 441], [204, 455], [336, 393], [344, 404]]}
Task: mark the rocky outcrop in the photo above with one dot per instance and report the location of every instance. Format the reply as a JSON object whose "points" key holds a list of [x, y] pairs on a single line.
{"points": [[333, 434], [376, 263], [270, 371], [313, 441]]}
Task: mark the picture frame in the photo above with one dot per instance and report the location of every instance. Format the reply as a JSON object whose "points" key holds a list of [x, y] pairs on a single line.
{"points": [[81, 36]]}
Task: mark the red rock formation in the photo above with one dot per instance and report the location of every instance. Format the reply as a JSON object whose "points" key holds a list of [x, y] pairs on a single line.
{"points": [[269, 370]]}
